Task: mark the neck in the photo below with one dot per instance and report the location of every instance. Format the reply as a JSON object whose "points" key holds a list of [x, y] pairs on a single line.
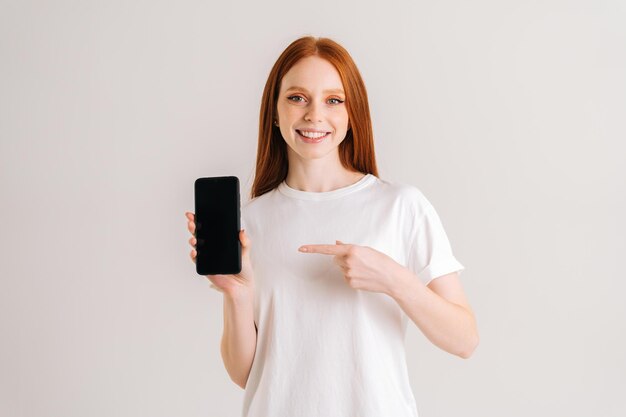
{"points": [[320, 175]]}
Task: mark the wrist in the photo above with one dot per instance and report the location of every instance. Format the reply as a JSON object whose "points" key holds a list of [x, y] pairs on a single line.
{"points": [[402, 282], [242, 293]]}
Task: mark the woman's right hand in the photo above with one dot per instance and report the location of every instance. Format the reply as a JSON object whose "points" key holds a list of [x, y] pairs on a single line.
{"points": [[230, 284]]}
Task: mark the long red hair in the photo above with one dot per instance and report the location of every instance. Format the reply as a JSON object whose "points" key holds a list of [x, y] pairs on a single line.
{"points": [[356, 151]]}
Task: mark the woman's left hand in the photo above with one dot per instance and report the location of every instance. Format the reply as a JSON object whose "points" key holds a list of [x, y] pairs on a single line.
{"points": [[363, 268]]}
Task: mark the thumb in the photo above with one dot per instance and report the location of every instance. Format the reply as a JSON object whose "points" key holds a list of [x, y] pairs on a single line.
{"points": [[216, 288], [245, 240], [339, 242]]}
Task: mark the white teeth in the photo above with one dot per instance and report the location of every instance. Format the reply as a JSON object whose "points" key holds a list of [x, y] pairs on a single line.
{"points": [[312, 134]]}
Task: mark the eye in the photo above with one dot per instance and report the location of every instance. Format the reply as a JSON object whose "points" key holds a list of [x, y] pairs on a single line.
{"points": [[338, 101]]}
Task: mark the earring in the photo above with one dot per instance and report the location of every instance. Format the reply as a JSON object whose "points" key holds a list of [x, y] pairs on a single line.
{"points": [[276, 122]]}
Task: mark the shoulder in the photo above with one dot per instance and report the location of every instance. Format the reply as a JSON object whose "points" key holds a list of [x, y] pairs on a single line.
{"points": [[258, 206], [258, 203], [408, 195]]}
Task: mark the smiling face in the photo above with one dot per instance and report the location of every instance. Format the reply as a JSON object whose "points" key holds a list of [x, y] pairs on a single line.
{"points": [[312, 100]]}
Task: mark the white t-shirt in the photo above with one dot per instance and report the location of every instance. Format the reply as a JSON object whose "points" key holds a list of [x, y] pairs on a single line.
{"points": [[325, 349]]}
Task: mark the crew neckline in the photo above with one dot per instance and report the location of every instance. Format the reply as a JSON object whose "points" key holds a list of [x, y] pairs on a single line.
{"points": [[326, 195]]}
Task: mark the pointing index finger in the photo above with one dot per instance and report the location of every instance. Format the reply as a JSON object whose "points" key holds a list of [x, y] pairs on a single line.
{"points": [[325, 249]]}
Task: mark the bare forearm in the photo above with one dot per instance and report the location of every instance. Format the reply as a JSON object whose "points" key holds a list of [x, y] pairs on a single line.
{"points": [[449, 326], [239, 337]]}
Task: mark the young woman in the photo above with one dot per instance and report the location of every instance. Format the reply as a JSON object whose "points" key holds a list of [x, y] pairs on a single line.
{"points": [[314, 324]]}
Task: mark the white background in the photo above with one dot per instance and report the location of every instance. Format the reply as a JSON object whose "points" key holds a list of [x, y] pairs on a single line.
{"points": [[509, 116]]}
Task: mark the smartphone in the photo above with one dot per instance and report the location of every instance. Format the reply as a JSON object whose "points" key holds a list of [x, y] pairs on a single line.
{"points": [[218, 220]]}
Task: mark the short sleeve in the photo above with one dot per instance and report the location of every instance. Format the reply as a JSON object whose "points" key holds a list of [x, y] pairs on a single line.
{"points": [[431, 255]]}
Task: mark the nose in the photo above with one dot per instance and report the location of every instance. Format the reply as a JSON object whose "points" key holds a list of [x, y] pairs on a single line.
{"points": [[313, 113]]}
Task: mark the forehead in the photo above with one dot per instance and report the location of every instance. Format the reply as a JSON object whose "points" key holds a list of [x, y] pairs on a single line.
{"points": [[313, 74]]}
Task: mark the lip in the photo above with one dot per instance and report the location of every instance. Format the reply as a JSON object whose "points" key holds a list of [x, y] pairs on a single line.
{"points": [[314, 130], [312, 140]]}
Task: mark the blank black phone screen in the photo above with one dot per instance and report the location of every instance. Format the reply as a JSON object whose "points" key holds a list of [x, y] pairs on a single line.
{"points": [[217, 225]]}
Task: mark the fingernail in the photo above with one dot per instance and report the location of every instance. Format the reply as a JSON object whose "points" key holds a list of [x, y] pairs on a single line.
{"points": [[302, 249]]}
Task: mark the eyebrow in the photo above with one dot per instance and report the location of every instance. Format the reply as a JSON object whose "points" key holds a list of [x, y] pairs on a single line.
{"points": [[335, 90]]}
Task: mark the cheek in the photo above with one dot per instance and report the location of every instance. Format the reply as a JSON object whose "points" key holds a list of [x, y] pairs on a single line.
{"points": [[341, 118], [283, 108], [291, 113]]}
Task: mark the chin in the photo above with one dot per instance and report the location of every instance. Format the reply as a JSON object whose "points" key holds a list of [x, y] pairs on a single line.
{"points": [[321, 152]]}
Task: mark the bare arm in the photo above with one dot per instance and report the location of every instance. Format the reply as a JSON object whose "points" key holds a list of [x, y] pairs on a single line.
{"points": [[240, 336], [440, 310]]}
